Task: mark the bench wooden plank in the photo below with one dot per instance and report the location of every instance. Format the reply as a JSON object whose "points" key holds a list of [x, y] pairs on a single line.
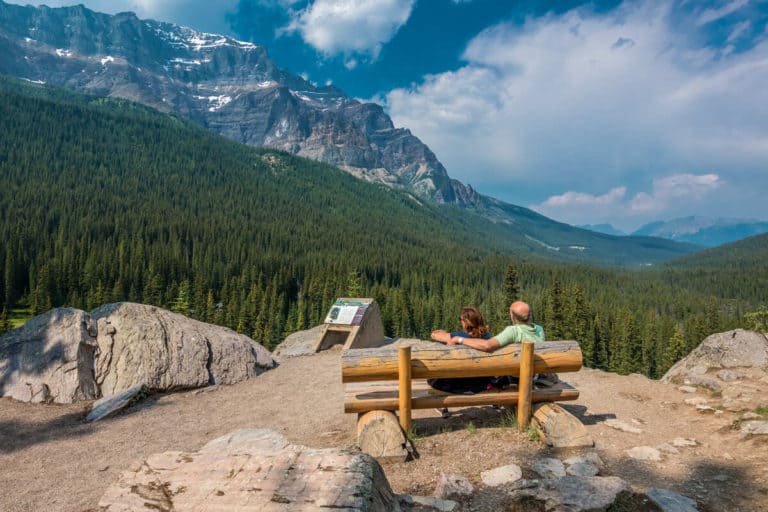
{"points": [[359, 398], [438, 361]]}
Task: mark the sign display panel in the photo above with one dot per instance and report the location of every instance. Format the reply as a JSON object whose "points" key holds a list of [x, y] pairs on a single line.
{"points": [[346, 312]]}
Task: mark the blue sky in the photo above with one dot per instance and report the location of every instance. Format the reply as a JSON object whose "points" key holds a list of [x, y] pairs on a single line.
{"points": [[620, 112]]}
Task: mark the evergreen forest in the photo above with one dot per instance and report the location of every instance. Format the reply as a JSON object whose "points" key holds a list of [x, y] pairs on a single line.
{"points": [[104, 200]]}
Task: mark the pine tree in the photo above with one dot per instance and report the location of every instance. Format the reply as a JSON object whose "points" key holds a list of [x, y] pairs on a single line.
{"points": [[511, 285], [675, 348], [354, 284]]}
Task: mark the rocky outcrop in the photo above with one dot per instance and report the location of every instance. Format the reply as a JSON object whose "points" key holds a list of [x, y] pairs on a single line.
{"points": [[728, 371], [50, 358], [146, 345], [67, 355], [253, 470], [731, 349]]}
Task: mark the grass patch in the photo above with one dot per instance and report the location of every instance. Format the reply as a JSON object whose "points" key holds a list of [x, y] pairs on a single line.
{"points": [[471, 428], [508, 419], [533, 434], [761, 410], [413, 434], [19, 316]]}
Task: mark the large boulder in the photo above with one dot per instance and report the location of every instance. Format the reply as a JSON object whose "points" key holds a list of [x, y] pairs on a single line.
{"points": [[253, 470], [731, 349], [146, 345], [50, 358], [67, 355]]}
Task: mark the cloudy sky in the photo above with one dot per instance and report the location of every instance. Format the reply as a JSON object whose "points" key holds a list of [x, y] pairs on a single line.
{"points": [[616, 112]]}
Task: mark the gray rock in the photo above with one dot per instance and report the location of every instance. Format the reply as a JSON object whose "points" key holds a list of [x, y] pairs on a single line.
{"points": [[731, 349], [703, 381], [67, 355], [300, 343], [549, 468], [669, 501], [645, 453], [590, 457], [145, 345], [687, 389], [572, 494], [49, 359], [501, 475], [253, 470], [727, 375], [696, 401], [753, 428], [453, 486], [110, 405], [624, 427], [435, 503], [750, 416], [583, 469]]}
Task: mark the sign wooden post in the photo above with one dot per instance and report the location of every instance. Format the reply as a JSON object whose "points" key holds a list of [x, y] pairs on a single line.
{"points": [[404, 386], [525, 386]]}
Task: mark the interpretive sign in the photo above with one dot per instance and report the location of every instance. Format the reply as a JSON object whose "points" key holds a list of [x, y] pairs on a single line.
{"points": [[347, 312], [352, 323]]}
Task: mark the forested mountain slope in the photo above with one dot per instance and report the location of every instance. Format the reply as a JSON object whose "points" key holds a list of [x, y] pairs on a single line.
{"points": [[738, 269], [233, 88], [105, 200]]}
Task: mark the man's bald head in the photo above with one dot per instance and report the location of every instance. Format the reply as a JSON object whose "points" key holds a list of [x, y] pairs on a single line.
{"points": [[520, 312]]}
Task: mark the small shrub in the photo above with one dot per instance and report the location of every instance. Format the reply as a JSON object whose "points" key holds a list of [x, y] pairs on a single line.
{"points": [[508, 419], [533, 434], [471, 428]]}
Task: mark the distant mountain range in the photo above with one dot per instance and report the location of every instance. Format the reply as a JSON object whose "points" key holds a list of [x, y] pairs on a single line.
{"points": [[704, 231], [234, 89]]}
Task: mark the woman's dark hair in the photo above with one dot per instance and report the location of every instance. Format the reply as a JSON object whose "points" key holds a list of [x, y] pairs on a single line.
{"points": [[474, 322]]}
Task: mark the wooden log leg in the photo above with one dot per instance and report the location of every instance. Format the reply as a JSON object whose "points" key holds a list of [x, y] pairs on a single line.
{"points": [[404, 386], [379, 435], [525, 386], [559, 428]]}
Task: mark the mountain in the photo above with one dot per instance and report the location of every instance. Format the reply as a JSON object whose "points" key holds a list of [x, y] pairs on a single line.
{"points": [[704, 231], [231, 87], [234, 89], [607, 229]]}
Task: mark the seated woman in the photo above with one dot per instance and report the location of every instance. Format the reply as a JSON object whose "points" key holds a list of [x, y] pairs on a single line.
{"points": [[473, 326]]}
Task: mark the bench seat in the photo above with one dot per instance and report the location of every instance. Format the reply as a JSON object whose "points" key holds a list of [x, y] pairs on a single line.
{"points": [[361, 397]]}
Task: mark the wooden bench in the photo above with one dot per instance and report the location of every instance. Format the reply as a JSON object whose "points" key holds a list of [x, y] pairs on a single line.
{"points": [[393, 377]]}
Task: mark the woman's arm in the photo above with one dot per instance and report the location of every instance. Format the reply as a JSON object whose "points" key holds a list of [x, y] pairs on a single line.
{"points": [[441, 335]]}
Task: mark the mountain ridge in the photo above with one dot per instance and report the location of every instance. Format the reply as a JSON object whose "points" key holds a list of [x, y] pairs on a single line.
{"points": [[234, 89]]}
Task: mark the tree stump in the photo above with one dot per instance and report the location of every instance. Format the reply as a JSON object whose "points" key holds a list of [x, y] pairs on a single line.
{"points": [[379, 435], [559, 428]]}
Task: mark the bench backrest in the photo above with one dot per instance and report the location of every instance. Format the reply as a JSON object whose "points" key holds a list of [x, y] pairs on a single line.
{"points": [[432, 360]]}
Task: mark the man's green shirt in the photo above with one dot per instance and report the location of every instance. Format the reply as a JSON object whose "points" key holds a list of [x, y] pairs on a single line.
{"points": [[520, 332]]}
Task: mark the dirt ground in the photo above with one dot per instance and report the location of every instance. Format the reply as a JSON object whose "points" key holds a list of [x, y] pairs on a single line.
{"points": [[51, 460]]}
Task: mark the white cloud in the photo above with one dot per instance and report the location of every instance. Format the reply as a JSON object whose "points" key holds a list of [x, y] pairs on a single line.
{"points": [[590, 102], [709, 15], [350, 26], [615, 207]]}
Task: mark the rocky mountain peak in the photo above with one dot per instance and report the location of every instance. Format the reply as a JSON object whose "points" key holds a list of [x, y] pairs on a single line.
{"points": [[229, 86]]}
